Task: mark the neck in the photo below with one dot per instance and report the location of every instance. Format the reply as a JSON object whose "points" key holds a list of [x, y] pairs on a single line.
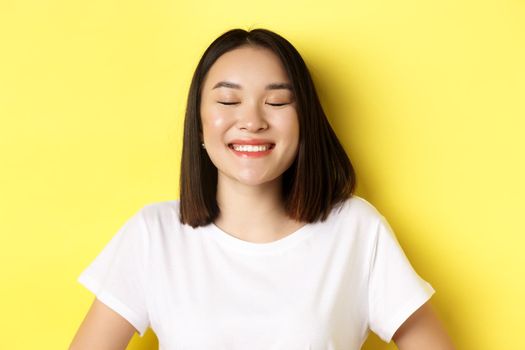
{"points": [[252, 213]]}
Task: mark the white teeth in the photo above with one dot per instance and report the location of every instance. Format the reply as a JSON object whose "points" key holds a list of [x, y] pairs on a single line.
{"points": [[251, 148]]}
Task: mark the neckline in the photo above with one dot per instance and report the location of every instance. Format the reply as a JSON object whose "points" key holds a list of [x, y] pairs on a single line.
{"points": [[278, 245]]}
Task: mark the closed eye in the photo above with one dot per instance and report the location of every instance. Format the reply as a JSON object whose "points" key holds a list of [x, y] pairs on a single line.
{"points": [[277, 104], [227, 103]]}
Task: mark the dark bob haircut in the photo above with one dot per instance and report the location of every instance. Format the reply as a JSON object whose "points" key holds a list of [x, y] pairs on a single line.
{"points": [[321, 175]]}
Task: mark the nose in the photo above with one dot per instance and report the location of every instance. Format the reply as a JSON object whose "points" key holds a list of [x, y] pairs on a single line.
{"points": [[252, 119]]}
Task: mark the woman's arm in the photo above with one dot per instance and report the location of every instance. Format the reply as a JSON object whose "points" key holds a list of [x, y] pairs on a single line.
{"points": [[102, 329], [423, 330]]}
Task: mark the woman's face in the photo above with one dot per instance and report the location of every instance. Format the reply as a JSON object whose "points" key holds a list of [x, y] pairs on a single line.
{"points": [[249, 119]]}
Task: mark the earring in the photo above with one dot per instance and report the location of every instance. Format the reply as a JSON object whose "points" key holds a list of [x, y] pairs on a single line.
{"points": [[203, 147]]}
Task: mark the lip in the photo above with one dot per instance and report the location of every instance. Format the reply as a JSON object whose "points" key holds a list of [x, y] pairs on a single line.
{"points": [[253, 142]]}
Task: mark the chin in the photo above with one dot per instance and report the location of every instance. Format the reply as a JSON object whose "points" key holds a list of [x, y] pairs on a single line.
{"points": [[252, 180]]}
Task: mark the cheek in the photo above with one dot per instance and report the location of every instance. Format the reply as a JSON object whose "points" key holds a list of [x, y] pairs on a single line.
{"points": [[213, 124], [289, 126], [218, 121]]}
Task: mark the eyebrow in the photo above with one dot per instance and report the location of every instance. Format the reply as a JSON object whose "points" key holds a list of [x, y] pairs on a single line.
{"points": [[273, 86]]}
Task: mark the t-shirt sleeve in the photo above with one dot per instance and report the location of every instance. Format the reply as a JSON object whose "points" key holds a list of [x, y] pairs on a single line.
{"points": [[395, 290], [116, 276]]}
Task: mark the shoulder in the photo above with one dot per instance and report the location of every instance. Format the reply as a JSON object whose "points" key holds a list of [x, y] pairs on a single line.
{"points": [[160, 216], [357, 218], [357, 209], [164, 208], [353, 221]]}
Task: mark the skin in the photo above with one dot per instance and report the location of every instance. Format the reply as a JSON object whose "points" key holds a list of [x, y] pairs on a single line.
{"points": [[423, 330], [102, 329], [248, 190]]}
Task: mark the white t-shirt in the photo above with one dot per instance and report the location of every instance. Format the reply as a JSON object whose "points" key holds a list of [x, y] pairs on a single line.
{"points": [[323, 287]]}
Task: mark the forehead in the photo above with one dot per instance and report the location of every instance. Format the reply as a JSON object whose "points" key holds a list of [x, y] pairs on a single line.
{"points": [[247, 65]]}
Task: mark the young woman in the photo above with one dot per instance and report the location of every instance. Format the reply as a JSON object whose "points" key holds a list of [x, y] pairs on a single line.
{"points": [[267, 248]]}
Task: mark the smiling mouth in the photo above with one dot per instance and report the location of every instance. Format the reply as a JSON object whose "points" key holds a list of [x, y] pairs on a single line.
{"points": [[251, 148]]}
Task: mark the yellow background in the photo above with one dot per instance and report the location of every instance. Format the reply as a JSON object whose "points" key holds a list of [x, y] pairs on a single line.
{"points": [[426, 96]]}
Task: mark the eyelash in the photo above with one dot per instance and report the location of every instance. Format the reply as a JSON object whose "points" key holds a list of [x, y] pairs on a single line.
{"points": [[235, 103]]}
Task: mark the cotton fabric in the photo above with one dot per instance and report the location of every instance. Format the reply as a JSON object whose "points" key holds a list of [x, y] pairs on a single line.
{"points": [[323, 287]]}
